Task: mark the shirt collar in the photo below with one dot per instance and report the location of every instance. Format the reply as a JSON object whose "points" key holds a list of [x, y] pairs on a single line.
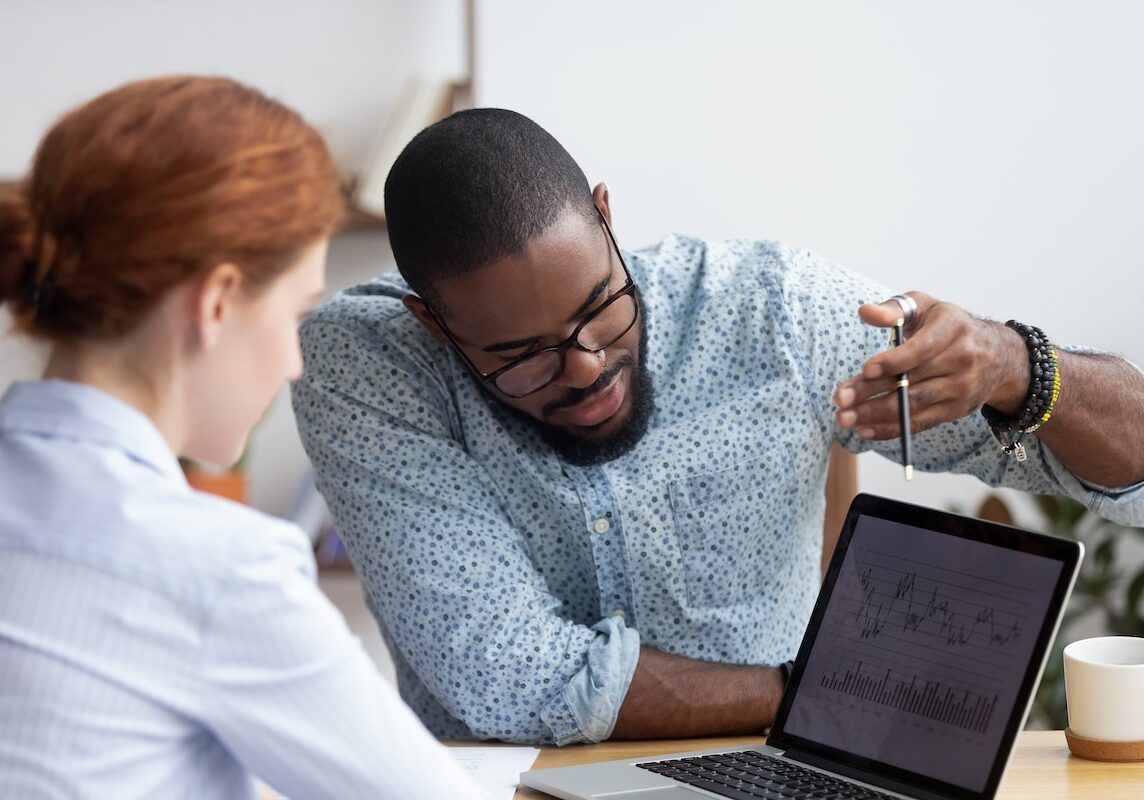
{"points": [[76, 411]]}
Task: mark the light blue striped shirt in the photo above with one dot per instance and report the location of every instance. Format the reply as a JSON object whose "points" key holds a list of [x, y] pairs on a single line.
{"points": [[159, 642]]}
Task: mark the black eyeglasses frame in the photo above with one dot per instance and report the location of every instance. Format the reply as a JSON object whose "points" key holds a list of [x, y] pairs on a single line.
{"points": [[561, 348]]}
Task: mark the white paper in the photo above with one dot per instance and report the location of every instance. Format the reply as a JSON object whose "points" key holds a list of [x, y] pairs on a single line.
{"points": [[496, 769]]}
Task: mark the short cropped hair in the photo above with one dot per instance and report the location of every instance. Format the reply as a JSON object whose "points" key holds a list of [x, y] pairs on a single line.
{"points": [[474, 188]]}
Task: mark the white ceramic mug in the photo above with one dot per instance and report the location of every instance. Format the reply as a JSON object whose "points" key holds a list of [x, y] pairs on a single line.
{"points": [[1104, 688]]}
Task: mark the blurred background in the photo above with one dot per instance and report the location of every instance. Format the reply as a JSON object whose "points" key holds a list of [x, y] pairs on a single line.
{"points": [[986, 153]]}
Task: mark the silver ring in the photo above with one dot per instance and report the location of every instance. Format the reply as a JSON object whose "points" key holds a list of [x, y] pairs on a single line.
{"points": [[908, 306]]}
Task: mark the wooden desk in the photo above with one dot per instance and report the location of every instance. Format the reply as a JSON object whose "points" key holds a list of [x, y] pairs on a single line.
{"points": [[1042, 767]]}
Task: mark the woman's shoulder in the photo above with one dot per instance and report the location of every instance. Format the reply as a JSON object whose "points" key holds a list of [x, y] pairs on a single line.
{"points": [[189, 546], [229, 537]]}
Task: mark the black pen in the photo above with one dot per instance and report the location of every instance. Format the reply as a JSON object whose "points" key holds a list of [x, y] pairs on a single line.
{"points": [[897, 337]]}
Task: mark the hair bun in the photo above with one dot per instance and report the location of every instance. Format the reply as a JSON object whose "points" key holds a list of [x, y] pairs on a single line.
{"points": [[16, 224]]}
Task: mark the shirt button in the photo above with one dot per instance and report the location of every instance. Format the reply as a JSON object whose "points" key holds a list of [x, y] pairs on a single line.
{"points": [[602, 525]]}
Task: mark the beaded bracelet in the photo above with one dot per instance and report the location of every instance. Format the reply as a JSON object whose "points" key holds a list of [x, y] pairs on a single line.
{"points": [[1044, 391]]}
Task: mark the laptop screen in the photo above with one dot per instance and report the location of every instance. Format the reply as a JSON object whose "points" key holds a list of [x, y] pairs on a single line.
{"points": [[925, 646]]}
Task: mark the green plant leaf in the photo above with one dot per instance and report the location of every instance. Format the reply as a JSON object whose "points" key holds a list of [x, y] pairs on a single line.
{"points": [[1133, 595], [1047, 504], [1099, 586], [1072, 511], [1104, 554]]}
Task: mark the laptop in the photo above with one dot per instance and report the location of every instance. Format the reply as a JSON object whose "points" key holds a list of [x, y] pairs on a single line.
{"points": [[914, 677]]}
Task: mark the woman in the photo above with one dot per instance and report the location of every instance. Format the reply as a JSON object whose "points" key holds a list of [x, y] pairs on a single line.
{"points": [[155, 641]]}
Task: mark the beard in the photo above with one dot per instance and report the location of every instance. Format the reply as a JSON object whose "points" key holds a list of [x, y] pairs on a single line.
{"points": [[587, 451], [583, 451]]}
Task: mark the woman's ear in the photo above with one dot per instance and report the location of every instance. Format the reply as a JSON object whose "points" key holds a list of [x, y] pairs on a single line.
{"points": [[417, 308], [214, 303]]}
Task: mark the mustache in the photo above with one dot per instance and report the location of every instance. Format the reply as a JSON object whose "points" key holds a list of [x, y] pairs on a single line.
{"points": [[576, 396]]}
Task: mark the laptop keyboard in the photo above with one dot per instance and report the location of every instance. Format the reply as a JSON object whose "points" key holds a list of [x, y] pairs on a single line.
{"points": [[749, 775]]}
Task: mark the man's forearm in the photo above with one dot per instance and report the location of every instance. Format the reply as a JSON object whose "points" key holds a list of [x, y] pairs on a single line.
{"points": [[1097, 427], [675, 697]]}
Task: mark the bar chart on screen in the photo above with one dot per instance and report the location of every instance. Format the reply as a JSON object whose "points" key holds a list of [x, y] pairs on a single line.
{"points": [[946, 700]]}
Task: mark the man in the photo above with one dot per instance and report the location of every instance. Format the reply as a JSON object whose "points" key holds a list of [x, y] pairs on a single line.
{"points": [[583, 488]]}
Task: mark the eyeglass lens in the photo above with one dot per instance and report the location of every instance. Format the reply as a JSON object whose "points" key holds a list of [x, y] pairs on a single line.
{"points": [[598, 333]]}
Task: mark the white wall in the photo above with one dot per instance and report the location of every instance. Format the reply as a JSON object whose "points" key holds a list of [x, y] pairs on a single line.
{"points": [[987, 153], [340, 62]]}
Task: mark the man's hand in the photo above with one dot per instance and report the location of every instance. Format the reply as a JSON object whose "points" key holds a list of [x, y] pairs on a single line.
{"points": [[956, 364]]}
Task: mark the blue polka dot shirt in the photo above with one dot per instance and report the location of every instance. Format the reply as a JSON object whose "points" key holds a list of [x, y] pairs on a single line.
{"points": [[513, 589]]}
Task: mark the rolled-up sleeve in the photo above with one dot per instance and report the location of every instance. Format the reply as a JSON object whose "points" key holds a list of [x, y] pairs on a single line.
{"points": [[1123, 505], [482, 647], [587, 708]]}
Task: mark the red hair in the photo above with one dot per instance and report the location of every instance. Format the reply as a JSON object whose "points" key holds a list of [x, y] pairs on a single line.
{"points": [[151, 185]]}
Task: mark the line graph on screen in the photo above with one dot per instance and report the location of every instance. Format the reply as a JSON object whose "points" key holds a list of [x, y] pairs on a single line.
{"points": [[927, 640]]}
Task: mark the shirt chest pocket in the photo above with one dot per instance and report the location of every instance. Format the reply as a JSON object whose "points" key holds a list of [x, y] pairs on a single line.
{"points": [[736, 528]]}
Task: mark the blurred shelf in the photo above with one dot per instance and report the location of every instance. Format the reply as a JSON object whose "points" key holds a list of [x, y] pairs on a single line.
{"points": [[360, 220]]}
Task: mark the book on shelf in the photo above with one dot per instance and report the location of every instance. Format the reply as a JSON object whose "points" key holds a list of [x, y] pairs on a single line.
{"points": [[422, 101]]}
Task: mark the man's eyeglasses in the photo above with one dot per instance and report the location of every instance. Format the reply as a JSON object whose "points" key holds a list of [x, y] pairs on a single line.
{"points": [[598, 331]]}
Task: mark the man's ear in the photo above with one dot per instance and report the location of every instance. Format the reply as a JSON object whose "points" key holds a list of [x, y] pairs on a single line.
{"points": [[214, 303], [600, 198], [417, 308]]}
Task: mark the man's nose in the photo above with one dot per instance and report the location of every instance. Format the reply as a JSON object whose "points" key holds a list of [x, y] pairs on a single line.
{"points": [[581, 368]]}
